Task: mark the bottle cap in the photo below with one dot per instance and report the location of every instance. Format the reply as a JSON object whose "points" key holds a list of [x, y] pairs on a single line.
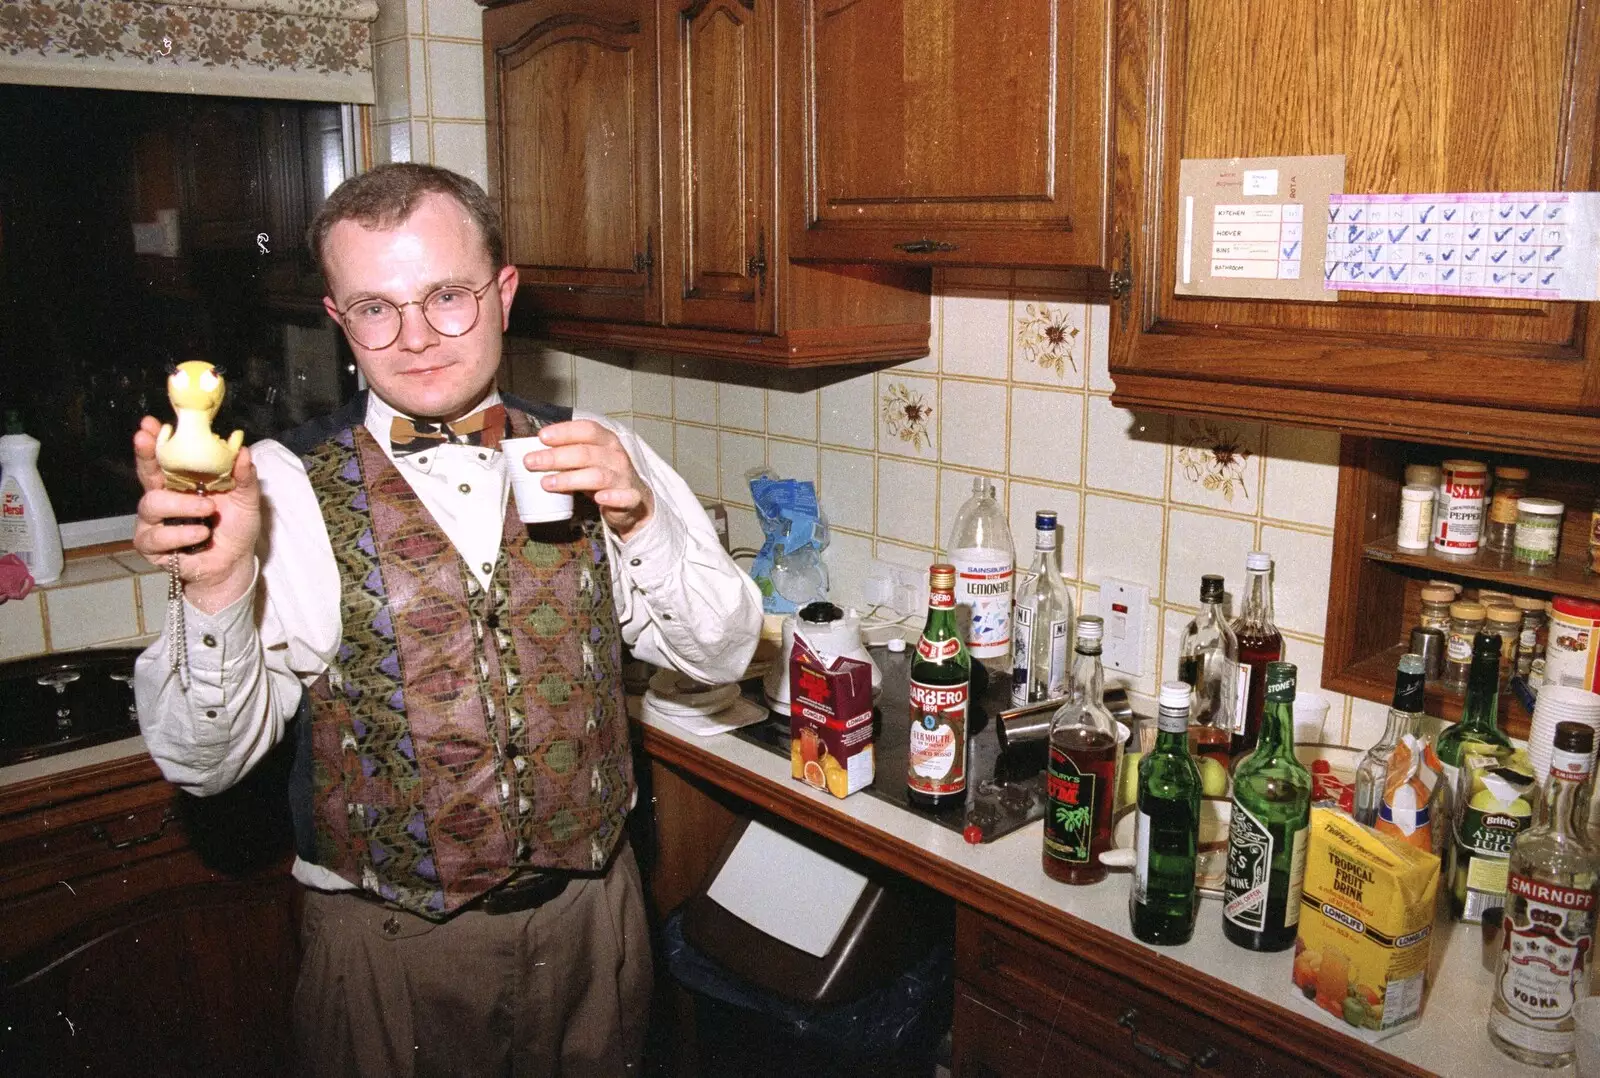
{"points": [[1486, 643], [1540, 507], [1573, 737], [1505, 615], [1526, 603], [1175, 696], [942, 575], [1510, 471], [1211, 588], [1438, 593], [1280, 682], [1467, 610], [1092, 627], [1044, 520], [1258, 561], [823, 612], [1412, 663], [1416, 493], [895, 645], [1424, 474]]}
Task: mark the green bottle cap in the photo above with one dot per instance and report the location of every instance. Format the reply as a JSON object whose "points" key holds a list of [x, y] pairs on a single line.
{"points": [[1280, 682]]}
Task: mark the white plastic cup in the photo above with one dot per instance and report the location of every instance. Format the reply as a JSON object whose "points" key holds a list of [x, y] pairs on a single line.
{"points": [[1310, 716], [535, 505]]}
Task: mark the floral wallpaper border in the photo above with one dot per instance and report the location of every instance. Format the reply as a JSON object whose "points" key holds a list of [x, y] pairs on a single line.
{"points": [[319, 38]]}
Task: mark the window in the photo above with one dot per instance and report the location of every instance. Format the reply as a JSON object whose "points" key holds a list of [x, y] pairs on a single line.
{"points": [[139, 230]]}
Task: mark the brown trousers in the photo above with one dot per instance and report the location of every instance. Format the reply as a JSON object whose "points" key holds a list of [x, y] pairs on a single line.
{"points": [[562, 991]]}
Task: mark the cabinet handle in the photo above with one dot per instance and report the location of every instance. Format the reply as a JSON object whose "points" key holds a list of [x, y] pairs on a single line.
{"points": [[99, 832], [926, 247], [1121, 282], [756, 265], [644, 261], [1204, 1060]]}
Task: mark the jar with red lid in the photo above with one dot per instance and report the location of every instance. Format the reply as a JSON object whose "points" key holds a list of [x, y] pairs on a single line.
{"points": [[1573, 645], [1458, 516]]}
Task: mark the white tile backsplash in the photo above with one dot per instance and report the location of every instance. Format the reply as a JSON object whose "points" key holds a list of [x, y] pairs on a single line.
{"points": [[848, 488], [657, 433], [849, 409], [792, 460], [652, 385], [976, 335], [1099, 348], [910, 415], [1199, 543], [455, 80], [22, 626], [697, 459], [1302, 475], [1121, 538], [1216, 463], [462, 146], [741, 453], [391, 101], [741, 406], [980, 441], [452, 18], [1127, 450], [1301, 565], [602, 384], [792, 404], [1047, 435], [694, 391], [87, 614], [1027, 499], [905, 501], [1048, 342]]}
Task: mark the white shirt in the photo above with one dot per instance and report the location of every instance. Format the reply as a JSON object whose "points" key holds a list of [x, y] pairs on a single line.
{"points": [[681, 602]]}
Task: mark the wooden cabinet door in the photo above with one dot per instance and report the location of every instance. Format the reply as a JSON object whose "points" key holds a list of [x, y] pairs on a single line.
{"points": [[1419, 97], [718, 110], [952, 131], [571, 100]]}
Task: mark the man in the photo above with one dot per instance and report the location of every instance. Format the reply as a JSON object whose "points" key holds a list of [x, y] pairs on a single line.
{"points": [[449, 675]]}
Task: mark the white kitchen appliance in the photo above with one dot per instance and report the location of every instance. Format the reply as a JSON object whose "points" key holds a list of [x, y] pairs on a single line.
{"points": [[831, 632]]}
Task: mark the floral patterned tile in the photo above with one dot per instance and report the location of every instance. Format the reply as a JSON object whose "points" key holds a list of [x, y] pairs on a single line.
{"points": [[1216, 463], [1049, 343], [908, 416]]}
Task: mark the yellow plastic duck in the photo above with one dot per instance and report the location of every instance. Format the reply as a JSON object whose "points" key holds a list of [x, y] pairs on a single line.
{"points": [[191, 457]]}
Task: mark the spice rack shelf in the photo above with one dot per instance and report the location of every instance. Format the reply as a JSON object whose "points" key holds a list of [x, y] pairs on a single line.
{"points": [[1566, 576], [1374, 596]]}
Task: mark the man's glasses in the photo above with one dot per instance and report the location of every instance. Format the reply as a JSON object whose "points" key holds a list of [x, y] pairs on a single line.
{"points": [[452, 310]]}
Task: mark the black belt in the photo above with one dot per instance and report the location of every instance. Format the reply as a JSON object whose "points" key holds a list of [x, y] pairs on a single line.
{"points": [[524, 891]]}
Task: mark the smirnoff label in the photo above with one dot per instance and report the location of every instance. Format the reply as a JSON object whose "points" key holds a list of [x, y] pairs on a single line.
{"points": [[1548, 939], [938, 749]]}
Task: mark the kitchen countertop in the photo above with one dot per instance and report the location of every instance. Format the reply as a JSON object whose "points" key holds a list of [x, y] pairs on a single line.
{"points": [[1004, 879], [71, 761]]}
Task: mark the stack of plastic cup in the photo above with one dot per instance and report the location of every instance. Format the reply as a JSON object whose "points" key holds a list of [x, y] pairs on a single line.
{"points": [[1558, 703]]}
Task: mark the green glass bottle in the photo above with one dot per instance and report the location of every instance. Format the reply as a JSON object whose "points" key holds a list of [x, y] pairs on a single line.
{"points": [[936, 764], [1164, 899], [1269, 830], [1479, 712]]}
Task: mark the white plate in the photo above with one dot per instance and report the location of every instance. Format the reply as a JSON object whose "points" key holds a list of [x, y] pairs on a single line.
{"points": [[1211, 867]]}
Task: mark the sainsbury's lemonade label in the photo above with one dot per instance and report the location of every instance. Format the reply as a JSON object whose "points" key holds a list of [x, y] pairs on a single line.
{"points": [[983, 586]]}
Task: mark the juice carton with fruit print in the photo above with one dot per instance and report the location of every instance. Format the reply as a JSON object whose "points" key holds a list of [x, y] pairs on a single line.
{"points": [[830, 720], [1366, 923]]}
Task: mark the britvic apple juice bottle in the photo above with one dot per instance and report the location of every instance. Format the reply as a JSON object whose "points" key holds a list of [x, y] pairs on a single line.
{"points": [[941, 674]]}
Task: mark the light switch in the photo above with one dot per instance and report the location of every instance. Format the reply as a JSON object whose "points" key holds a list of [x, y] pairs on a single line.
{"points": [[1124, 607]]}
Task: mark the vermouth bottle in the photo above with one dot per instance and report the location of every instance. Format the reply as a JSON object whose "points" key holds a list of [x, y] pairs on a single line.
{"points": [[1041, 623], [1208, 661], [1269, 830], [1164, 899], [1081, 774], [1260, 643], [941, 671], [1547, 955]]}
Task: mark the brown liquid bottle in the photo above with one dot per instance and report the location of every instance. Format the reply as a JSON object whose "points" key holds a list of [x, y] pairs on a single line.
{"points": [[1260, 643], [1080, 779]]}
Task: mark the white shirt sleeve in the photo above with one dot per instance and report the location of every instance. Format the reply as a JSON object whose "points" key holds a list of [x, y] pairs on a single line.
{"points": [[681, 601], [249, 661]]}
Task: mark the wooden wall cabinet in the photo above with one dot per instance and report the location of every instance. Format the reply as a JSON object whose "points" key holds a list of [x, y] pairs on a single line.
{"points": [[1406, 90], [646, 221], [955, 133]]}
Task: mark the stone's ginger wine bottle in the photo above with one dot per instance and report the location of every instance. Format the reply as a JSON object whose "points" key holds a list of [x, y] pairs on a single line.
{"points": [[1080, 779], [1405, 713], [1208, 662], [1259, 644], [1547, 955], [1164, 899], [1271, 825], [941, 672], [1041, 623], [984, 558]]}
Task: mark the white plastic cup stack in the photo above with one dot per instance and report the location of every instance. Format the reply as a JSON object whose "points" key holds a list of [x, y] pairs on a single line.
{"points": [[1558, 703]]}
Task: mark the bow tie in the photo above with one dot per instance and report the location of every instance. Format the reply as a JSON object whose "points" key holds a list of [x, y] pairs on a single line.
{"points": [[484, 428]]}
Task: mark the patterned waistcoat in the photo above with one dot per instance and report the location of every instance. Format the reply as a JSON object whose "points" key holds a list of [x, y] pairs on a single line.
{"points": [[459, 733]]}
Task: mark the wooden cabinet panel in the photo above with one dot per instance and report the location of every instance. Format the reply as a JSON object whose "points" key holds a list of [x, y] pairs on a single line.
{"points": [[995, 1040], [717, 154], [571, 99], [1403, 89], [955, 132]]}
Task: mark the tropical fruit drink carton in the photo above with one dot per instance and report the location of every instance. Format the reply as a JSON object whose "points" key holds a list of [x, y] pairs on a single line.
{"points": [[830, 720], [1366, 923]]}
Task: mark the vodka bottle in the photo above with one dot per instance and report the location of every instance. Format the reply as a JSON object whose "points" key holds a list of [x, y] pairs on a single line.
{"points": [[1041, 630], [980, 549], [1208, 662]]}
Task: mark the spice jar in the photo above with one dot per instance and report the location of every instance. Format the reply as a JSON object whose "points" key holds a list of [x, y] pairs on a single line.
{"points": [[1458, 515], [1466, 618], [1416, 518], [1538, 537], [1529, 637], [1436, 600], [1455, 589], [1489, 597], [1423, 475], [1507, 621], [1510, 483], [1594, 538]]}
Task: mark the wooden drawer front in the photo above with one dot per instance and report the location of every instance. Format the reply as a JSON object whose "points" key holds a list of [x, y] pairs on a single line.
{"points": [[92, 837], [1142, 1031], [995, 1040]]}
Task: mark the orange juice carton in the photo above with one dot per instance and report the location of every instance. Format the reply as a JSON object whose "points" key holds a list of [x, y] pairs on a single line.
{"points": [[830, 720], [1366, 923]]}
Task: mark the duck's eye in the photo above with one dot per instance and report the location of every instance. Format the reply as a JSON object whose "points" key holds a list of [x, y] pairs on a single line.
{"points": [[180, 378], [209, 381]]}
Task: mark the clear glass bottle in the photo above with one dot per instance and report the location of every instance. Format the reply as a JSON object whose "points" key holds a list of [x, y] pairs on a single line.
{"points": [[1553, 884], [1165, 900], [1041, 631], [981, 550], [1510, 481], [1208, 662], [1259, 644], [1081, 777], [1269, 830], [1410, 680]]}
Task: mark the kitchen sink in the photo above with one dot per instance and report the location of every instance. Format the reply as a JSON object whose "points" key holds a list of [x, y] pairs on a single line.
{"points": [[65, 701]]}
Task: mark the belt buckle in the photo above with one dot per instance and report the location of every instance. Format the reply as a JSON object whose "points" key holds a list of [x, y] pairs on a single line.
{"points": [[528, 891]]}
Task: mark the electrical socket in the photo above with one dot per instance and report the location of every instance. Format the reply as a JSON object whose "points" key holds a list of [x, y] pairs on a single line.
{"points": [[902, 588]]}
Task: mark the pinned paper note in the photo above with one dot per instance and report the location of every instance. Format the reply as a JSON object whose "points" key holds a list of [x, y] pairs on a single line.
{"points": [[1542, 245], [1243, 225]]}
